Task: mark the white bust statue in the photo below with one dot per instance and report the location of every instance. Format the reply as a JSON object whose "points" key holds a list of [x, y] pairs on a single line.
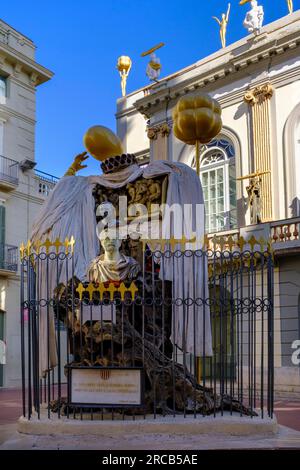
{"points": [[153, 68], [112, 265], [254, 18]]}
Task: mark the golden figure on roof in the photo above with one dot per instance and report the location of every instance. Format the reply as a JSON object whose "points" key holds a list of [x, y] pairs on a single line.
{"points": [[124, 65], [223, 25], [290, 6]]}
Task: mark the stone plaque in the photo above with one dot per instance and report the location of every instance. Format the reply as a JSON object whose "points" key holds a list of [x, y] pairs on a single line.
{"points": [[110, 387]]}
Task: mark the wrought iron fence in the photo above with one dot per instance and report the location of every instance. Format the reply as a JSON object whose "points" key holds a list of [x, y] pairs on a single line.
{"points": [[166, 349]]}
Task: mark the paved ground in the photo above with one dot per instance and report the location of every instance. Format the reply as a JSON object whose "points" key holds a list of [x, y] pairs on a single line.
{"points": [[287, 412]]}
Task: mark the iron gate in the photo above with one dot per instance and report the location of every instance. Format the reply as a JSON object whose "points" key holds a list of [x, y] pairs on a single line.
{"points": [[68, 325]]}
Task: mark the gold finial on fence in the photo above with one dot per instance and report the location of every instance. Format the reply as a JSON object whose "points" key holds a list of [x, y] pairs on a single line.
{"points": [[22, 250], [122, 289], [91, 288], [160, 243], [231, 242], [36, 246]]}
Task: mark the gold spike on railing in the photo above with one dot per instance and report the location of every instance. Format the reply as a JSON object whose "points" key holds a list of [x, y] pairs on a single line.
{"points": [[112, 289], [58, 246]]}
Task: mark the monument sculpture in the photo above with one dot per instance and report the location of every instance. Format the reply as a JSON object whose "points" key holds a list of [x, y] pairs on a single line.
{"points": [[71, 209], [127, 305], [223, 25], [154, 66], [254, 18]]}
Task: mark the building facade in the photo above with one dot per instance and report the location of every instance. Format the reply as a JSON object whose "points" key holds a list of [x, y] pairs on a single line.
{"points": [[22, 188], [257, 82]]}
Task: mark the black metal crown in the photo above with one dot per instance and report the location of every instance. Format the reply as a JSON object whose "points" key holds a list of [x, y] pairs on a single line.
{"points": [[117, 163]]}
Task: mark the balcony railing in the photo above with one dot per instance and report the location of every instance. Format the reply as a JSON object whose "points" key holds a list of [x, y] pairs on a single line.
{"points": [[283, 234], [8, 258], [9, 170], [46, 176], [45, 181], [283, 231]]}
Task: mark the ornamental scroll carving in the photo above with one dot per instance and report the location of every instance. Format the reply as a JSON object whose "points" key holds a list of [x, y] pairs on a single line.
{"points": [[259, 94], [163, 129]]}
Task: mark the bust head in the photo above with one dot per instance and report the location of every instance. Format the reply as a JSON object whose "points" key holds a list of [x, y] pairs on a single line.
{"points": [[110, 245], [112, 265], [253, 3], [110, 242]]}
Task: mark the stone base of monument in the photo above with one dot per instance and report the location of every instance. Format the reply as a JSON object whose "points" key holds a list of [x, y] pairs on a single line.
{"points": [[234, 425]]}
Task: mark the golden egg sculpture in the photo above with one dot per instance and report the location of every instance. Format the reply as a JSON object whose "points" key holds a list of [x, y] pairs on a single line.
{"points": [[102, 143], [197, 120], [124, 63]]}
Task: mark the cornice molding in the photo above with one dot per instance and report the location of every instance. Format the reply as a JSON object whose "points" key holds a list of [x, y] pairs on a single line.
{"points": [[28, 65], [230, 98], [7, 30], [233, 63]]}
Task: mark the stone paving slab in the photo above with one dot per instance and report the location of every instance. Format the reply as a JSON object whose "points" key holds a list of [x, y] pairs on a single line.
{"points": [[287, 413], [284, 439]]}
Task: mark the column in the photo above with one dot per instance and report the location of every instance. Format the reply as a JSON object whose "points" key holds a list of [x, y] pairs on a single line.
{"points": [[158, 136], [258, 100]]}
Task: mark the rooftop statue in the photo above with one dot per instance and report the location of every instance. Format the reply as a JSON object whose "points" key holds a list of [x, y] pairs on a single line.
{"points": [[290, 6], [154, 66], [124, 66], [223, 25], [254, 18]]}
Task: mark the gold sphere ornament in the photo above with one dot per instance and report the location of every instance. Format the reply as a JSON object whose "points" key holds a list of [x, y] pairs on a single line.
{"points": [[102, 143], [124, 63], [197, 120]]}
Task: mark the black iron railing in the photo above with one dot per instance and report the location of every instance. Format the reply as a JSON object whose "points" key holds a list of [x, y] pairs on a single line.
{"points": [[9, 259], [9, 170], [46, 182], [204, 350], [46, 176]]}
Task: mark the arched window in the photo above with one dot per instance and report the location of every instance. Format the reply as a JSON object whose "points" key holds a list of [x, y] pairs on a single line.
{"points": [[218, 177]]}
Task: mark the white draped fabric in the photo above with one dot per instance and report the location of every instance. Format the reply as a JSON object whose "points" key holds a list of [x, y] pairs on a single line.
{"points": [[69, 211]]}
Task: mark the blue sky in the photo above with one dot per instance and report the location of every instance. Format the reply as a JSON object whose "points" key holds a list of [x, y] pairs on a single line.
{"points": [[80, 42]]}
